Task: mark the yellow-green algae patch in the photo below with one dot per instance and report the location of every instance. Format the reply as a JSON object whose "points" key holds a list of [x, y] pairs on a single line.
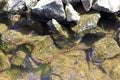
{"points": [[4, 62], [106, 48]]}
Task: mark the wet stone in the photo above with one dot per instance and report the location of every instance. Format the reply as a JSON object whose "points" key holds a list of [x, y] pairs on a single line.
{"points": [[105, 48]]}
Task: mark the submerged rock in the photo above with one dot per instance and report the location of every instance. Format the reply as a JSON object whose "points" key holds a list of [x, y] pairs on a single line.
{"points": [[59, 34], [110, 6], [112, 67], [49, 9], [4, 62], [105, 48], [87, 4], [71, 14], [30, 3], [18, 58], [88, 22]]}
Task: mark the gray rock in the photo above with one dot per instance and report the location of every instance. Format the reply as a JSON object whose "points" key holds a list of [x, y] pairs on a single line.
{"points": [[70, 1], [110, 6], [71, 14], [16, 5], [59, 34], [30, 3], [49, 9], [87, 4]]}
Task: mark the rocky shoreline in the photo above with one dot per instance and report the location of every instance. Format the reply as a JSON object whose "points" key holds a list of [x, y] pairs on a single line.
{"points": [[59, 39]]}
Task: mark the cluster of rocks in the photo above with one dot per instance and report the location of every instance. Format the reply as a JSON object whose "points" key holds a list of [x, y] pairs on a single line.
{"points": [[95, 23]]}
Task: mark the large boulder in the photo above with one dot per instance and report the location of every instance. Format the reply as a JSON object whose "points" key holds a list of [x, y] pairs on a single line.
{"points": [[49, 9], [110, 6]]}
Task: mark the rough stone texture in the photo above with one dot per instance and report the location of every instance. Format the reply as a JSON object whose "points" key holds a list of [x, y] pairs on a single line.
{"points": [[4, 62], [30, 3], [71, 14], [16, 6], [18, 58], [49, 9], [105, 48], [59, 34], [87, 4], [110, 6], [74, 66], [88, 21], [112, 67]]}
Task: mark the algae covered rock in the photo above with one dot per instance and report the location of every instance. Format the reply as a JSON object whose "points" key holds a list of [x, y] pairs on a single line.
{"points": [[9, 36], [4, 62], [112, 67], [105, 48], [59, 34], [88, 22], [73, 65], [18, 58]]}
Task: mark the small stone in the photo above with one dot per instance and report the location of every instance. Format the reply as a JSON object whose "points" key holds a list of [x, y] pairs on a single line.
{"points": [[71, 14], [87, 4], [46, 10], [87, 24], [59, 34], [18, 58], [110, 6]]}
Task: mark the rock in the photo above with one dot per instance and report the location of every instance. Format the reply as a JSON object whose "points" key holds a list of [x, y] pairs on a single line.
{"points": [[87, 4], [16, 6], [112, 67], [105, 48], [70, 1], [7, 36], [109, 6], [59, 34], [73, 66], [4, 62], [30, 3], [71, 14], [46, 10], [88, 22], [18, 58], [3, 27]]}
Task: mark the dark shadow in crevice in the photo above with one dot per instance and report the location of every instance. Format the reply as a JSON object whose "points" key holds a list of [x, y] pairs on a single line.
{"points": [[89, 38]]}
